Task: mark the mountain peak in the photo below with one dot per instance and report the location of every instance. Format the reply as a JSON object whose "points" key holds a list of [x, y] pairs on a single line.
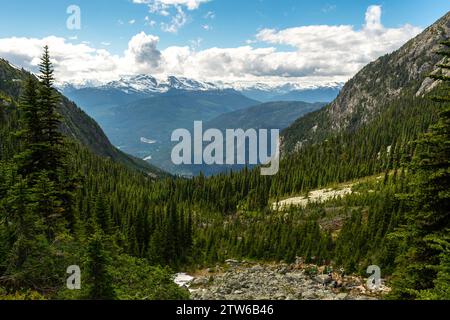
{"points": [[148, 84]]}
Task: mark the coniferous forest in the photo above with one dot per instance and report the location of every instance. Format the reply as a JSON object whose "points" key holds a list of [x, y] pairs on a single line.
{"points": [[130, 231]]}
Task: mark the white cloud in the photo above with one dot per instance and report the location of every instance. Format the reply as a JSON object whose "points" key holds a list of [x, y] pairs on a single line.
{"points": [[78, 63], [321, 54], [373, 18], [333, 50], [177, 21], [190, 4], [133, 21], [143, 53], [149, 22], [210, 15], [173, 9]]}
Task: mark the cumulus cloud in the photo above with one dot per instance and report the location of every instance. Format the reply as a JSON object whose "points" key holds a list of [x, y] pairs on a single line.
{"points": [[80, 63], [328, 50], [143, 51], [321, 54], [373, 18]]}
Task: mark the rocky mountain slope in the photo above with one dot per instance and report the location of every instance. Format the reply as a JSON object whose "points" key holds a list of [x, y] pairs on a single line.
{"points": [[391, 77], [76, 123]]}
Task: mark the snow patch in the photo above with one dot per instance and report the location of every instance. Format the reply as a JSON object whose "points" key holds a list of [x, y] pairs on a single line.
{"points": [[149, 141], [183, 279], [316, 196]]}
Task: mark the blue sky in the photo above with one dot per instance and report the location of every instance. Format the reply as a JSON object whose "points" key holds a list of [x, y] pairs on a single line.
{"points": [[163, 29]]}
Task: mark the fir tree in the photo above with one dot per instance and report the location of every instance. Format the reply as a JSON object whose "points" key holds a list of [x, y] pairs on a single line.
{"points": [[99, 277], [48, 103], [424, 267], [102, 214], [31, 159]]}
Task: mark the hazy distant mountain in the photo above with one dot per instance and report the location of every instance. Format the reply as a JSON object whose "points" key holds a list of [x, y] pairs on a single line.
{"points": [[144, 127], [270, 115], [309, 95], [98, 100], [290, 92], [136, 110]]}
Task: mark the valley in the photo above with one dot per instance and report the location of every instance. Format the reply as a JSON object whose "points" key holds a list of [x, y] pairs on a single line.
{"points": [[362, 185], [128, 118]]}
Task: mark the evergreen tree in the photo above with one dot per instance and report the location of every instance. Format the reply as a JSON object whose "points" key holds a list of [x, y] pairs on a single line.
{"points": [[31, 159], [102, 214], [51, 121], [424, 267], [99, 277]]}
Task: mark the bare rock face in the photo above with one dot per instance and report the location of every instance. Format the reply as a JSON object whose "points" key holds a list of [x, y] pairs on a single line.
{"points": [[403, 73], [390, 76]]}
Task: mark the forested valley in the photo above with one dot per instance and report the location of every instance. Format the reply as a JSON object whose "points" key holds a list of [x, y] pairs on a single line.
{"points": [[62, 205]]}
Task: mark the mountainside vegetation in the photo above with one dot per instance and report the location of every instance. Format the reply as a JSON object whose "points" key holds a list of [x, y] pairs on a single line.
{"points": [[128, 231]]}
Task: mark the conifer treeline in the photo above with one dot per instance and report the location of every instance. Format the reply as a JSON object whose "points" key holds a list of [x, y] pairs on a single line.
{"points": [[44, 226], [124, 220]]}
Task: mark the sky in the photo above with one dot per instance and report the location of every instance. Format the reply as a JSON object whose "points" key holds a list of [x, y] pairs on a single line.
{"points": [[312, 43]]}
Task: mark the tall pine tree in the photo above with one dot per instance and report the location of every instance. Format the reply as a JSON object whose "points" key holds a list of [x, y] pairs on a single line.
{"points": [[424, 270]]}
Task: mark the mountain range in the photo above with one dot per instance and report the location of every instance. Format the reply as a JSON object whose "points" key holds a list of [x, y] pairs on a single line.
{"points": [[139, 109], [382, 142], [96, 99]]}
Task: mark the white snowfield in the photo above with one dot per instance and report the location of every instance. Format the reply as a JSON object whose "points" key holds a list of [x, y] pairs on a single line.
{"points": [[149, 84], [316, 196], [183, 279]]}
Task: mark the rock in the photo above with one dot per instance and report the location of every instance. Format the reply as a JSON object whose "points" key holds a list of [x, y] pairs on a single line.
{"points": [[199, 282], [283, 271], [256, 268], [308, 295], [324, 279], [280, 296], [273, 282], [342, 296]]}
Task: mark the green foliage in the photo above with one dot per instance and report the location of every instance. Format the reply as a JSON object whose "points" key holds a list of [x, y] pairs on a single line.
{"points": [[125, 229], [98, 276], [423, 268]]}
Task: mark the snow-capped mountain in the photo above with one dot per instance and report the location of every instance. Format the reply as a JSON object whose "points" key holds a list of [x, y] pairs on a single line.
{"points": [[150, 85], [147, 84]]}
